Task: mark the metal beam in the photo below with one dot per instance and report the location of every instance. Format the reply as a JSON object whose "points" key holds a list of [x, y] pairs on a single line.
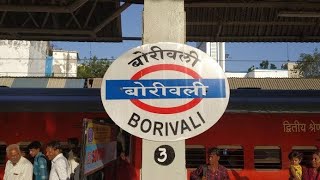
{"points": [[256, 38], [71, 18], [53, 9], [3, 17], [112, 17], [67, 31], [45, 20], [90, 13], [19, 8], [76, 5], [54, 21], [45, 31], [193, 38], [33, 20], [71, 38], [25, 21], [76, 20], [260, 4], [13, 34], [219, 30], [245, 23]]}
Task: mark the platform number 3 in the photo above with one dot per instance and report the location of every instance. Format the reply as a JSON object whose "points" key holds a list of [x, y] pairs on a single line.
{"points": [[164, 155]]}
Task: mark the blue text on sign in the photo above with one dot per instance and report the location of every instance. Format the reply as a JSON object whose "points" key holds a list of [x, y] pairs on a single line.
{"points": [[165, 89]]}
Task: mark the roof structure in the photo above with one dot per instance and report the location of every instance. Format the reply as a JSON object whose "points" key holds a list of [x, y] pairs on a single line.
{"points": [[275, 83], [234, 83], [206, 20], [71, 20], [41, 82], [89, 100], [253, 20]]}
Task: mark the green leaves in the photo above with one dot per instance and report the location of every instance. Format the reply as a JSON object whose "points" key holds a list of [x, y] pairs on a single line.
{"points": [[93, 68], [308, 65], [263, 65]]}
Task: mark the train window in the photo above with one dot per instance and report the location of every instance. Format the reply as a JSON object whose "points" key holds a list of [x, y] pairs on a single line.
{"points": [[231, 156], [3, 153], [267, 157], [307, 152], [195, 156]]}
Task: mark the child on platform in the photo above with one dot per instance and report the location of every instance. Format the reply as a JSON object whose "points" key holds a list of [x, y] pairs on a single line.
{"points": [[295, 169]]}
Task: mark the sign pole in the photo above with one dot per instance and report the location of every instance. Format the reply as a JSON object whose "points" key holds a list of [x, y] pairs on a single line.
{"points": [[167, 92], [163, 21]]}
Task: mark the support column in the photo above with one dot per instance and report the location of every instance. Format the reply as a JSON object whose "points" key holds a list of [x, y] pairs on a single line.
{"points": [[163, 21], [222, 55]]}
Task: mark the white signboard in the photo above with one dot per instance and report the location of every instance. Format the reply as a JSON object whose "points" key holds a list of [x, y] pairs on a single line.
{"points": [[165, 91]]}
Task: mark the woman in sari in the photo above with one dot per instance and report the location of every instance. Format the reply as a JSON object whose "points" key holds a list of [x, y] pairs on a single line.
{"points": [[313, 172]]}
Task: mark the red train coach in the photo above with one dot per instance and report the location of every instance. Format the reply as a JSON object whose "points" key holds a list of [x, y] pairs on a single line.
{"points": [[256, 133]]}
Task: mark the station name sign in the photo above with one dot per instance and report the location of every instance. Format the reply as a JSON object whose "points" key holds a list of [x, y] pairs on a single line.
{"points": [[165, 91]]}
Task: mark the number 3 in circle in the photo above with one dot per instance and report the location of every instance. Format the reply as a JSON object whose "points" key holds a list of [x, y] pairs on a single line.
{"points": [[164, 155]]}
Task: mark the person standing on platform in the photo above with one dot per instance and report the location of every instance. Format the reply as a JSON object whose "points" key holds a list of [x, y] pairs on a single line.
{"points": [[40, 169], [120, 168], [59, 164], [213, 170], [74, 158], [295, 170], [312, 173], [17, 167]]}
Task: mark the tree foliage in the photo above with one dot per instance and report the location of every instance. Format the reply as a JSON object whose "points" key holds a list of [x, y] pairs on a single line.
{"points": [[284, 66], [264, 64], [308, 65], [93, 68], [251, 68], [273, 66]]}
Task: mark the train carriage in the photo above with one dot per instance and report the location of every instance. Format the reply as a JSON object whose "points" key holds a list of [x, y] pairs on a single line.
{"points": [[255, 134]]}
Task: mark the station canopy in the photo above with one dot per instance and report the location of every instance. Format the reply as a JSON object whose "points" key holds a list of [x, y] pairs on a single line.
{"points": [[207, 20]]}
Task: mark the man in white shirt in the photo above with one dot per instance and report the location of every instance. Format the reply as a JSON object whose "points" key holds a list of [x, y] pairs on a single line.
{"points": [[59, 164], [17, 167], [73, 158]]}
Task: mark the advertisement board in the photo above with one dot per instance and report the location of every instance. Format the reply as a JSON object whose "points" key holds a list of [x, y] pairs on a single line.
{"points": [[100, 145]]}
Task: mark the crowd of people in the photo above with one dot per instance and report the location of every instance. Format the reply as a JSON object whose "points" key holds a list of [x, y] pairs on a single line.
{"points": [[54, 165], [214, 171], [298, 172], [51, 166]]}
